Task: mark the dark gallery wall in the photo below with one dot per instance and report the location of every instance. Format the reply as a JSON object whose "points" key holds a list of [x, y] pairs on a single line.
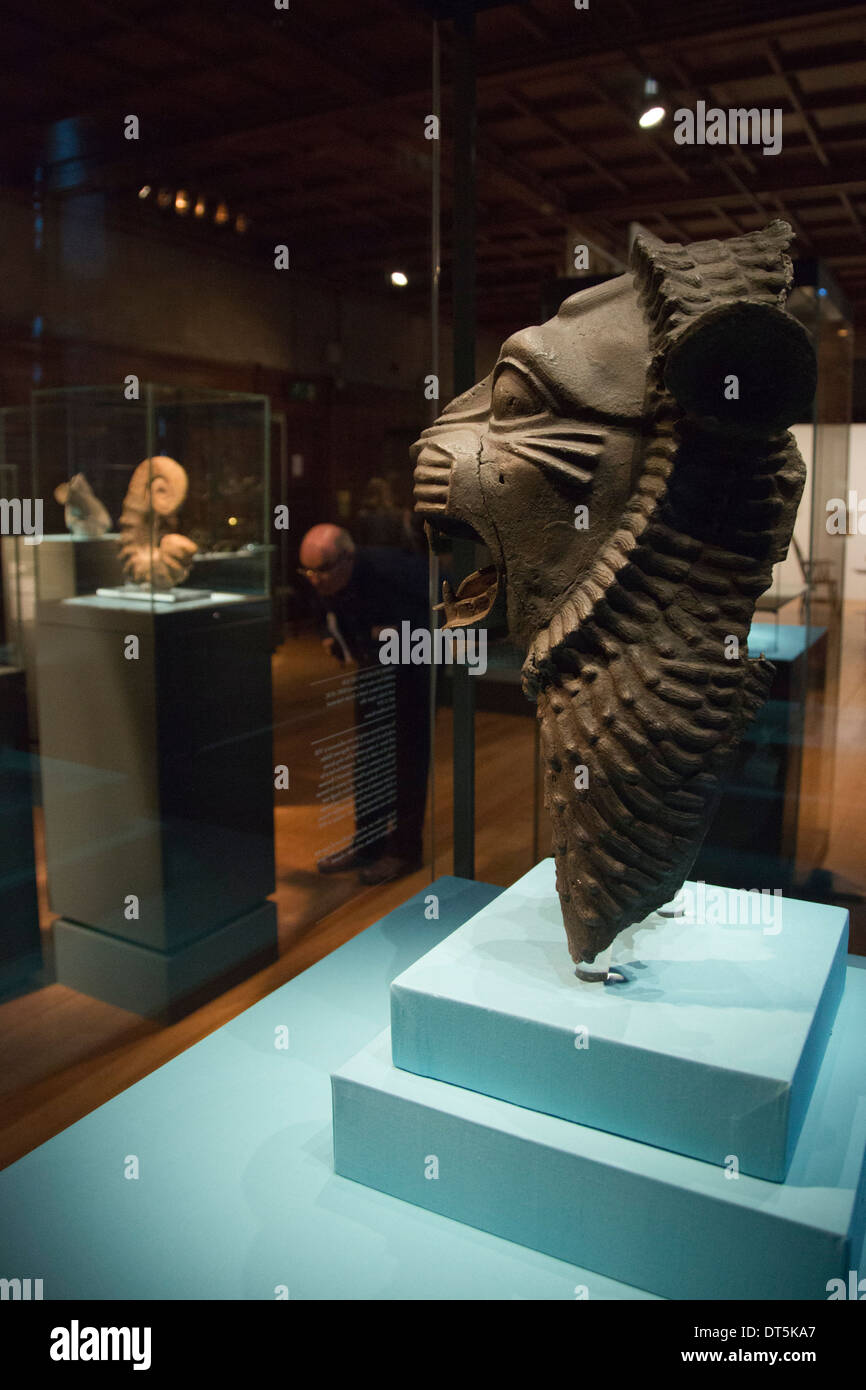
{"points": [[88, 301]]}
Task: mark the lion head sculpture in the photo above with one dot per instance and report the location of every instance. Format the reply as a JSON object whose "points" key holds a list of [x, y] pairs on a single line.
{"points": [[629, 468]]}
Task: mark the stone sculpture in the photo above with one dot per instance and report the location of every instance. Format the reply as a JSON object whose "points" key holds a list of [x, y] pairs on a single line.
{"points": [[83, 512], [151, 552], [629, 467]]}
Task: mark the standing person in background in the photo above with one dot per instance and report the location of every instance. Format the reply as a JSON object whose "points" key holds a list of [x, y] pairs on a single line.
{"points": [[379, 521], [360, 590]]}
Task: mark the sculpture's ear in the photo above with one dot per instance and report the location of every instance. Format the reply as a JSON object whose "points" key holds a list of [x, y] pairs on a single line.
{"points": [[745, 367]]}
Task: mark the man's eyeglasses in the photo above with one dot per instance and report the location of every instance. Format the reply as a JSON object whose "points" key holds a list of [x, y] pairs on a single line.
{"points": [[308, 572]]}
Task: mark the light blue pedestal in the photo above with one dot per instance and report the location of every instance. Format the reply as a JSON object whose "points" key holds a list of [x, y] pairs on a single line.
{"points": [[709, 1048], [671, 1224], [782, 641], [236, 1196]]}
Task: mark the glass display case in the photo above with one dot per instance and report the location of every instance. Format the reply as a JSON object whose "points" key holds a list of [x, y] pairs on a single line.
{"points": [[163, 498], [773, 824], [14, 490], [20, 949], [152, 670]]}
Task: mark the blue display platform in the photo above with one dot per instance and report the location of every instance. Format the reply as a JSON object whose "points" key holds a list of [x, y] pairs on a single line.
{"points": [[682, 1228], [236, 1196], [709, 1047], [782, 641]]}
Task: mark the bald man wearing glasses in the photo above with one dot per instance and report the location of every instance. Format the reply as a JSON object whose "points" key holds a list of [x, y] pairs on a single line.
{"points": [[359, 591]]}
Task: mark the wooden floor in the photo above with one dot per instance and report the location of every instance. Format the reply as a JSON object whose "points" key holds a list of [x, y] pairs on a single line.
{"points": [[64, 1053]]}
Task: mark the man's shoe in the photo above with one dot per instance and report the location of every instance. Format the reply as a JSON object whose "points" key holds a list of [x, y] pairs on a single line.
{"points": [[343, 861], [389, 867]]}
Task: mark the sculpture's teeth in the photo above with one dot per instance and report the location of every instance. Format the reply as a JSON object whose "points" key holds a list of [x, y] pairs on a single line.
{"points": [[473, 600]]}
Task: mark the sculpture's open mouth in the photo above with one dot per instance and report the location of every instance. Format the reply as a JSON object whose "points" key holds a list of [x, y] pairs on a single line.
{"points": [[473, 600]]}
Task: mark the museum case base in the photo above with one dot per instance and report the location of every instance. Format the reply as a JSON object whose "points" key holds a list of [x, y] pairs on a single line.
{"points": [[708, 1047], [161, 984], [682, 1228]]}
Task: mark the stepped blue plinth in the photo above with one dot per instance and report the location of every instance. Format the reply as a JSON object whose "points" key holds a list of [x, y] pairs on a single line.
{"points": [[659, 1220], [709, 1047]]}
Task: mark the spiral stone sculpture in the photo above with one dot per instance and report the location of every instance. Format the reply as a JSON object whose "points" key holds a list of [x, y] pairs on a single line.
{"points": [[156, 492]]}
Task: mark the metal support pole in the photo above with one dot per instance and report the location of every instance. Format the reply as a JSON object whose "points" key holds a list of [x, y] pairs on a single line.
{"points": [[435, 405], [464, 377]]}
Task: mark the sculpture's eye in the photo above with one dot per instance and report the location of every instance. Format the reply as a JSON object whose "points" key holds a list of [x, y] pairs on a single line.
{"points": [[514, 396]]}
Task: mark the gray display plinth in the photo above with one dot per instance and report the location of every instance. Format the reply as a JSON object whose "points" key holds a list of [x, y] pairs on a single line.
{"points": [[20, 948], [157, 774]]}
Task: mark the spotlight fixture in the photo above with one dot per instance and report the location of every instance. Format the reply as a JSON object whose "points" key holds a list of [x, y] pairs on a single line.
{"points": [[200, 207], [221, 216], [400, 278], [144, 191], [242, 223], [651, 109], [165, 197], [181, 202]]}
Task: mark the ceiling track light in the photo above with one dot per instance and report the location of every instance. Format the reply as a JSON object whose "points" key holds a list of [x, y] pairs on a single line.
{"points": [[652, 109]]}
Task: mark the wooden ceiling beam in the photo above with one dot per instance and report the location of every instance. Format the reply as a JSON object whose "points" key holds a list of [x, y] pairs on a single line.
{"points": [[656, 37], [566, 137], [784, 185], [754, 64], [854, 215], [795, 93]]}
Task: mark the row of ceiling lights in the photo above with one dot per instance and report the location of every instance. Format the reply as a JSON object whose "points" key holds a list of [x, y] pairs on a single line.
{"points": [[183, 204], [652, 112]]}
